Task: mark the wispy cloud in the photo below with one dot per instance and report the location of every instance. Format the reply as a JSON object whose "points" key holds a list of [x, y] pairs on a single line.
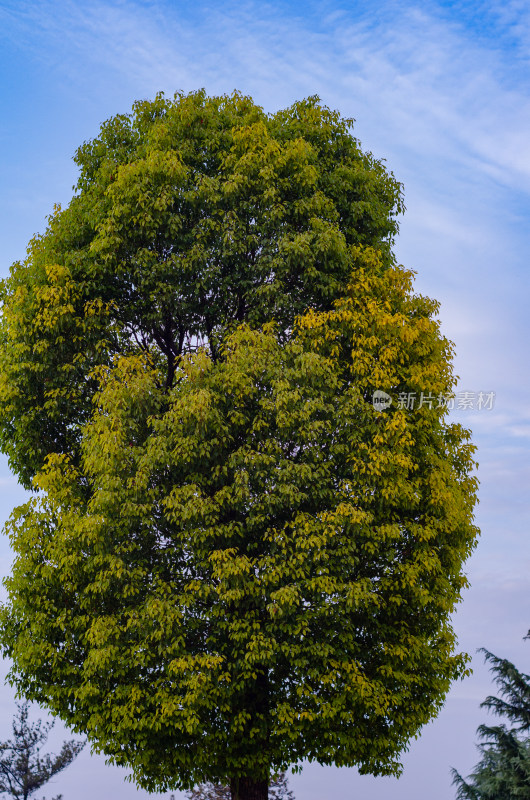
{"points": [[424, 85]]}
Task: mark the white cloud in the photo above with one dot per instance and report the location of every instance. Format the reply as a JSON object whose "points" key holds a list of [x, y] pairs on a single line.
{"points": [[423, 85]]}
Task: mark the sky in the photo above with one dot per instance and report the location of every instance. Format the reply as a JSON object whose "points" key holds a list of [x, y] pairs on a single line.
{"points": [[441, 91]]}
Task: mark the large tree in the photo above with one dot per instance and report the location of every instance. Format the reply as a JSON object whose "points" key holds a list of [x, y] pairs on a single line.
{"points": [[236, 560]]}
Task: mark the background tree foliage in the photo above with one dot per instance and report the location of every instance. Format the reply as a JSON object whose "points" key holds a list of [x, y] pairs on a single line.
{"points": [[23, 770], [503, 773], [234, 562], [278, 790]]}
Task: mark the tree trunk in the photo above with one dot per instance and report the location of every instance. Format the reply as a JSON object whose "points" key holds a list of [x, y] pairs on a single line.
{"points": [[249, 789]]}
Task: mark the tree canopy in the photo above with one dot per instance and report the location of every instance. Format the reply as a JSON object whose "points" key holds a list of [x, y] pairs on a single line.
{"points": [[235, 561], [190, 216]]}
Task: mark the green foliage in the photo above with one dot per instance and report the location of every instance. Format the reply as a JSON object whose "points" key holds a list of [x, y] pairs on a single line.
{"points": [[234, 561], [503, 773], [23, 770], [190, 216]]}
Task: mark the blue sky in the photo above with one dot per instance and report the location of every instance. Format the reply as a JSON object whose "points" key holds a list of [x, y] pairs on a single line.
{"points": [[438, 89]]}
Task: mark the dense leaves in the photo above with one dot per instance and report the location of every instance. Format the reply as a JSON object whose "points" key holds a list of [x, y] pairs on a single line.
{"points": [[234, 561], [23, 770], [190, 216], [503, 773]]}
